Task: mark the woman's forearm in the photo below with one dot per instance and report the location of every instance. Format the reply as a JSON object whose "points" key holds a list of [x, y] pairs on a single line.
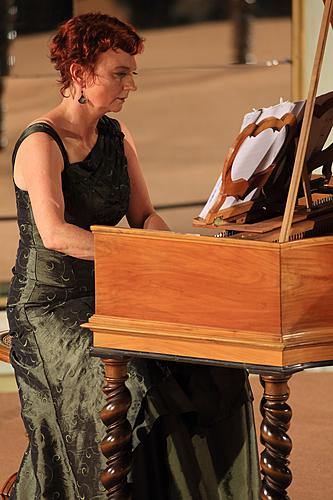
{"points": [[70, 240], [77, 242]]}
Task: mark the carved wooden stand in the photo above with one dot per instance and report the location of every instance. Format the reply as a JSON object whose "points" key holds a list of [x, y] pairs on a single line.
{"points": [[117, 444], [273, 435]]}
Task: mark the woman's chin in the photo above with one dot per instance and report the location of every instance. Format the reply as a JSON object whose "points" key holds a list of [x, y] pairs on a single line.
{"points": [[117, 105]]}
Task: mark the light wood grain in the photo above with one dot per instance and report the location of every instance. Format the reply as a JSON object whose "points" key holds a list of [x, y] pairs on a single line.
{"points": [[189, 281], [307, 286], [217, 299]]}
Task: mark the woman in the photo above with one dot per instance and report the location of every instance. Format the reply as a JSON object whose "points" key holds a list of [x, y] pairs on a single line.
{"points": [[73, 167]]}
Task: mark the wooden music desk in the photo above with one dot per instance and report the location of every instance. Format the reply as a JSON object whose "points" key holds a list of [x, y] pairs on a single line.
{"points": [[262, 306]]}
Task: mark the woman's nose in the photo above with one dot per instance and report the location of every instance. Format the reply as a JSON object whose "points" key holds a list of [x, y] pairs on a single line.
{"points": [[130, 83]]}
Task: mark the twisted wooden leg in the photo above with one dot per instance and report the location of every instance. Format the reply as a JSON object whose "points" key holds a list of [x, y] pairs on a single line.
{"points": [[273, 435], [117, 444]]}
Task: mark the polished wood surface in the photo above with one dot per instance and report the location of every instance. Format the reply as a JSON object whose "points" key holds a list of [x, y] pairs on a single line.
{"points": [[117, 443], [219, 299], [166, 270], [276, 415], [307, 286]]}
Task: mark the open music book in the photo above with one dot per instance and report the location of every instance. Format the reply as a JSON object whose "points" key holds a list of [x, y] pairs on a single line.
{"points": [[252, 154]]}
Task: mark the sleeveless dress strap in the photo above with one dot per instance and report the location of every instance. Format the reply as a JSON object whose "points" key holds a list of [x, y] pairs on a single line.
{"points": [[47, 129], [111, 123]]}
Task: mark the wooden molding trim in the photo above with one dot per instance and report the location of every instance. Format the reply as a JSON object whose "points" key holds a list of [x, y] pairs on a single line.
{"points": [[183, 340]]}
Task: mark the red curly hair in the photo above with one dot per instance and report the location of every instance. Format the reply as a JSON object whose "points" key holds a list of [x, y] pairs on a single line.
{"points": [[83, 38]]}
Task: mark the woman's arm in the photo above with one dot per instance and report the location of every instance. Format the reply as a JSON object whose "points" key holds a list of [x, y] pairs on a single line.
{"points": [[141, 212], [38, 168]]}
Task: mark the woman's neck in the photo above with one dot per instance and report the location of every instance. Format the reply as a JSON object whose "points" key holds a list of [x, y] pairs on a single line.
{"points": [[77, 118]]}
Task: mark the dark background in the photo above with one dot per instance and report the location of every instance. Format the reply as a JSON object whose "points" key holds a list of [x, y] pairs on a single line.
{"points": [[35, 16]]}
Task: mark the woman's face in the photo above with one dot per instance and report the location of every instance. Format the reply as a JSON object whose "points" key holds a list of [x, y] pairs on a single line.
{"points": [[112, 82]]}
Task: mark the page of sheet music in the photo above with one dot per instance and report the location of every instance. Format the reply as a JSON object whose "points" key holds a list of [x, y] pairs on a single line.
{"points": [[256, 153]]}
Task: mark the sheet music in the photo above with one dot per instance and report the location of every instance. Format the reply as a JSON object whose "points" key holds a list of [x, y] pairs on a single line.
{"points": [[255, 154], [278, 110]]}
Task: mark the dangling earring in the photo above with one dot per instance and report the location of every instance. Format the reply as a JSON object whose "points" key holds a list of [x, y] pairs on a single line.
{"points": [[82, 99]]}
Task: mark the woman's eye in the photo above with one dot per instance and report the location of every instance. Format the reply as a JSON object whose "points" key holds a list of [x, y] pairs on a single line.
{"points": [[123, 74]]}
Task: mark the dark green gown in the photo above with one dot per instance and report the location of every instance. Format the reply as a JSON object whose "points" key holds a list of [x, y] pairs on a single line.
{"points": [[193, 432]]}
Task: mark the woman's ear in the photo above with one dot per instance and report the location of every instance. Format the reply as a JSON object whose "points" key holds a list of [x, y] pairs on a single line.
{"points": [[77, 74]]}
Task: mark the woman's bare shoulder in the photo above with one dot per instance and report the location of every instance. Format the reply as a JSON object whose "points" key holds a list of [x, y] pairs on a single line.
{"points": [[37, 143], [49, 119]]}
